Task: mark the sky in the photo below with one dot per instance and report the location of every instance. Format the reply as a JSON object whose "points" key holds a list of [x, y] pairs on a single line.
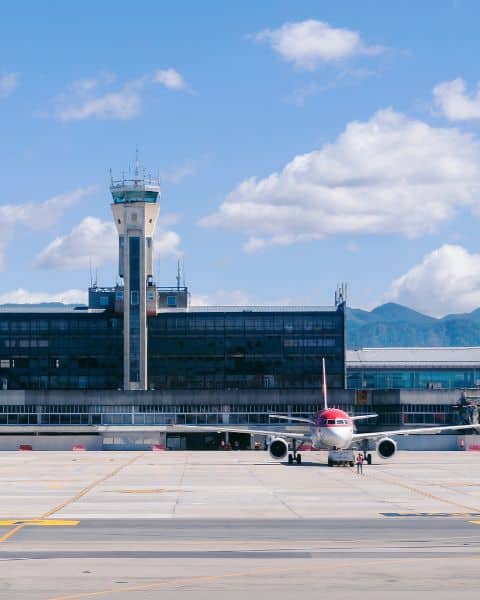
{"points": [[299, 145]]}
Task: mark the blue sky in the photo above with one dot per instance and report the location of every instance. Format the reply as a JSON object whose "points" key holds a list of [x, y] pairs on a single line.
{"points": [[299, 144]]}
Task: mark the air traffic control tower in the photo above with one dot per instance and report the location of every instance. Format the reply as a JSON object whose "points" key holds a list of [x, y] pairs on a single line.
{"points": [[135, 209]]}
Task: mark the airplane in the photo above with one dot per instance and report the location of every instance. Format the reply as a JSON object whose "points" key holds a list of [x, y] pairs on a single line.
{"points": [[330, 429]]}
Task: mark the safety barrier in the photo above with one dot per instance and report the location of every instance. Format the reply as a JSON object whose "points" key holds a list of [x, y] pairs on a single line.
{"points": [[158, 448]]}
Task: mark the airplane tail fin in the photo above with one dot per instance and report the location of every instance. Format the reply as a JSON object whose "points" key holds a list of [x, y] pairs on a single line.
{"points": [[324, 385]]}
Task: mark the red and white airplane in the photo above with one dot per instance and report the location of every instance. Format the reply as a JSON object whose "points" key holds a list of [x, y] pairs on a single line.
{"points": [[330, 429]]}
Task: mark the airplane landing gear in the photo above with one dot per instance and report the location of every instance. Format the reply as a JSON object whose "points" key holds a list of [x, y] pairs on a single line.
{"points": [[294, 456]]}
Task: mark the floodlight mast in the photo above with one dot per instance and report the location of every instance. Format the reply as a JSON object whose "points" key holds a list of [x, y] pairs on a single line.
{"points": [[135, 210]]}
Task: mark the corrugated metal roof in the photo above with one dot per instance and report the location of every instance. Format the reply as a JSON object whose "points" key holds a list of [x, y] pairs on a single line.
{"points": [[414, 357], [248, 309], [19, 309]]}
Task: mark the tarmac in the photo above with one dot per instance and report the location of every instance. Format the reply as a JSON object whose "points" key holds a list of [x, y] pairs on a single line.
{"points": [[197, 525]]}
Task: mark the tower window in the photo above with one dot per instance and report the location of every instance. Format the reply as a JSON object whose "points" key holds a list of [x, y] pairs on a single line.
{"points": [[134, 298], [171, 301]]}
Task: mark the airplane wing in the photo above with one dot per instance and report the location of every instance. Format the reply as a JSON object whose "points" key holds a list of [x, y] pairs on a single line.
{"points": [[419, 430], [227, 429], [358, 417], [296, 419]]}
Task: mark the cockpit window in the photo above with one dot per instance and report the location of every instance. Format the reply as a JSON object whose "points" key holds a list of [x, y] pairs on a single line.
{"points": [[331, 422], [341, 422]]}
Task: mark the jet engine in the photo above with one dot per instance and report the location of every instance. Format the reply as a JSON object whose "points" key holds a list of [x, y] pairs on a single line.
{"points": [[278, 448], [386, 447]]}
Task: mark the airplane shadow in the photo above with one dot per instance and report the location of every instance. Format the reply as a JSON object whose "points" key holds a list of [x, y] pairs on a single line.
{"points": [[306, 463]]}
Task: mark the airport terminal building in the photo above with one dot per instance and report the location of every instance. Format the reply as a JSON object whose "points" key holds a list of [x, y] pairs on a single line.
{"points": [[139, 358]]}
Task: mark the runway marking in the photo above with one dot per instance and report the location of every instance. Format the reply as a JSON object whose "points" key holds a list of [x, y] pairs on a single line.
{"points": [[475, 522], [40, 522], [177, 583], [90, 487], [74, 498], [424, 493], [148, 491], [431, 514], [9, 534]]}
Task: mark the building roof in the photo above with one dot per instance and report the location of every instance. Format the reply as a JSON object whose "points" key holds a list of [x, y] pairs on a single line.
{"points": [[247, 309], [47, 309], [391, 358]]}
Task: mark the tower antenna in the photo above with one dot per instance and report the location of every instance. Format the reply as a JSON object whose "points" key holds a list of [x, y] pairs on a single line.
{"points": [[137, 162], [179, 275]]}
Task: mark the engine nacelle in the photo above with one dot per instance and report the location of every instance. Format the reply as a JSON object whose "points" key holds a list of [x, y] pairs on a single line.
{"points": [[278, 448], [386, 447]]}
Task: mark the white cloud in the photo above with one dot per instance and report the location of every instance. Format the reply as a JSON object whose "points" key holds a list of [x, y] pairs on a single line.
{"points": [[177, 174], [21, 296], [8, 83], [390, 174], [454, 102], [170, 78], [166, 243], [94, 98], [122, 104], [446, 280], [239, 298], [308, 44], [223, 298], [95, 242], [91, 242], [36, 217]]}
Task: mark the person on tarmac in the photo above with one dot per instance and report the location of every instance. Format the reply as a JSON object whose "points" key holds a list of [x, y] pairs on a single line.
{"points": [[359, 463]]}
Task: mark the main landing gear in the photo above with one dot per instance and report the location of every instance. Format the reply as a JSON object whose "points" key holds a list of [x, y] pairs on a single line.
{"points": [[294, 456]]}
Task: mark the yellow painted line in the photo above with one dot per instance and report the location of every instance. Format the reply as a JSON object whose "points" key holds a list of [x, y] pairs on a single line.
{"points": [[90, 487], [9, 534], [148, 491], [41, 522], [416, 490], [59, 507], [475, 522], [180, 583]]}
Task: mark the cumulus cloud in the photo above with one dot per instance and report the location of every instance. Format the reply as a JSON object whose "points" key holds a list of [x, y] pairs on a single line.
{"points": [[239, 298], [36, 217], [22, 296], [222, 298], [8, 83], [122, 104], [455, 103], [446, 280], [94, 98], [170, 78], [94, 241], [390, 174], [308, 44], [177, 174]]}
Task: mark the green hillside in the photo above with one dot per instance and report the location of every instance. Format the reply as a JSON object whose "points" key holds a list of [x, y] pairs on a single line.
{"points": [[395, 325]]}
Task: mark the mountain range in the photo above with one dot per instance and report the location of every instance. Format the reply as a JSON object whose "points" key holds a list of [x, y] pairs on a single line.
{"points": [[393, 325]]}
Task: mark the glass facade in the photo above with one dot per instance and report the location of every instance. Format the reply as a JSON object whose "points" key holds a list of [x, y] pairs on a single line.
{"points": [[428, 378], [187, 350], [134, 309], [398, 415], [246, 350], [60, 351]]}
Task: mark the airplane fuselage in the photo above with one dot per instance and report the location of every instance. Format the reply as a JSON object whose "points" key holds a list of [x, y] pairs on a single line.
{"points": [[333, 429]]}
